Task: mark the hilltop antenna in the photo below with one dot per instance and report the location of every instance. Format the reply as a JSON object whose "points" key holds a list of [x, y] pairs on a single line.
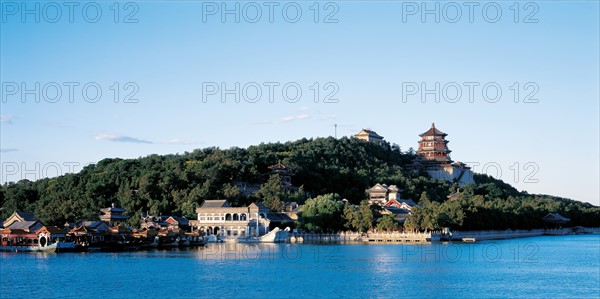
{"points": [[335, 130]]}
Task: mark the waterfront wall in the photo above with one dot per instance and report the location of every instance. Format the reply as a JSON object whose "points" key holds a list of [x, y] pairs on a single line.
{"points": [[507, 234], [404, 237], [592, 230], [394, 237]]}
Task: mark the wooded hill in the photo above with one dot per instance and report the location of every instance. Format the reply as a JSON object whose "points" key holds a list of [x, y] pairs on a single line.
{"points": [[177, 184]]}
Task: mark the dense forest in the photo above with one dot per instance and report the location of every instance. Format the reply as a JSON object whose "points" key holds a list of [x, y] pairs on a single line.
{"points": [[177, 184]]}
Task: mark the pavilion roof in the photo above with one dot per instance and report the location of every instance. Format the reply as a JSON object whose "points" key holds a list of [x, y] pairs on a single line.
{"points": [[26, 225], [370, 133], [179, 220], [18, 216], [215, 203], [278, 166], [556, 217], [112, 210], [433, 131], [111, 216], [27, 216]]}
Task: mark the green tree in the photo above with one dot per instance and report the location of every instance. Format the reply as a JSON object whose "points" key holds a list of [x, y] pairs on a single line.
{"points": [[415, 221], [363, 219], [388, 223], [424, 198], [423, 217], [271, 193], [230, 191], [298, 196], [349, 214], [177, 184], [322, 214]]}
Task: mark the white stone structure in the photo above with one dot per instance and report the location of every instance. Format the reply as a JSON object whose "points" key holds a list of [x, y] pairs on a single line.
{"points": [[380, 194], [218, 218], [455, 172]]}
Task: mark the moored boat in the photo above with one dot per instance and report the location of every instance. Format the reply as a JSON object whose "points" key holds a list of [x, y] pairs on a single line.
{"points": [[167, 239], [54, 239], [18, 240], [195, 239]]}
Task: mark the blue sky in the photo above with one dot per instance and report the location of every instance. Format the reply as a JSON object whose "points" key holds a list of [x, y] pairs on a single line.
{"points": [[549, 147]]}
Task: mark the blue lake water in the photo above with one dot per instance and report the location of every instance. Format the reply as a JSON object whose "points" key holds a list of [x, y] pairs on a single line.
{"points": [[561, 266]]}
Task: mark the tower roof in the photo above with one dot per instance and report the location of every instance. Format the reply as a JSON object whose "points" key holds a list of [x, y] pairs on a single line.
{"points": [[433, 131], [368, 132], [278, 166]]}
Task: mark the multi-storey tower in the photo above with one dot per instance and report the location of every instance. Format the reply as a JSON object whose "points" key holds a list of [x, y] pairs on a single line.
{"points": [[433, 146]]}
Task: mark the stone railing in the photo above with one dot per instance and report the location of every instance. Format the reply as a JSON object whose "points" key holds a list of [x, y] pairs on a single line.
{"points": [[393, 237], [507, 234], [434, 236]]}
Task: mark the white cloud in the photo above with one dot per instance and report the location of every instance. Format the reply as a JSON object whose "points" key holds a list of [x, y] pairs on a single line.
{"points": [[286, 119], [120, 138], [178, 141]]}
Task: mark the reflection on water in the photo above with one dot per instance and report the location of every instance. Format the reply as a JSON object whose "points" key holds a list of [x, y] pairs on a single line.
{"points": [[567, 266], [239, 251]]}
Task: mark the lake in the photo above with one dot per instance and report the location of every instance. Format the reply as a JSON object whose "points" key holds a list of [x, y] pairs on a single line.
{"points": [[547, 266]]}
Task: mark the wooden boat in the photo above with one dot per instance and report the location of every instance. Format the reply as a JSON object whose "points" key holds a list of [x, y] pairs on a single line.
{"points": [[183, 241], [195, 239], [18, 240], [167, 239]]}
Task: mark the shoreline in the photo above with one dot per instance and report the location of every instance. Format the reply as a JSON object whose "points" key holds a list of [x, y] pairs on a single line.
{"points": [[434, 237], [350, 238]]}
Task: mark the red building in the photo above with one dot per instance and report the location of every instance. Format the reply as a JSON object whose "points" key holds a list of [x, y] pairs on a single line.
{"points": [[434, 157], [433, 146]]}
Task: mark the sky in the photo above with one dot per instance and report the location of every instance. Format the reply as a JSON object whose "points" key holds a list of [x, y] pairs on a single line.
{"points": [[515, 86]]}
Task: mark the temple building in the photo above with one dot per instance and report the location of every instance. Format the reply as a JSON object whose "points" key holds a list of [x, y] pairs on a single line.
{"points": [[173, 223], [284, 173], [433, 146], [556, 219], [388, 198], [434, 157], [96, 226], [18, 216], [28, 226], [399, 203], [400, 208], [380, 194], [369, 136], [113, 215]]}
